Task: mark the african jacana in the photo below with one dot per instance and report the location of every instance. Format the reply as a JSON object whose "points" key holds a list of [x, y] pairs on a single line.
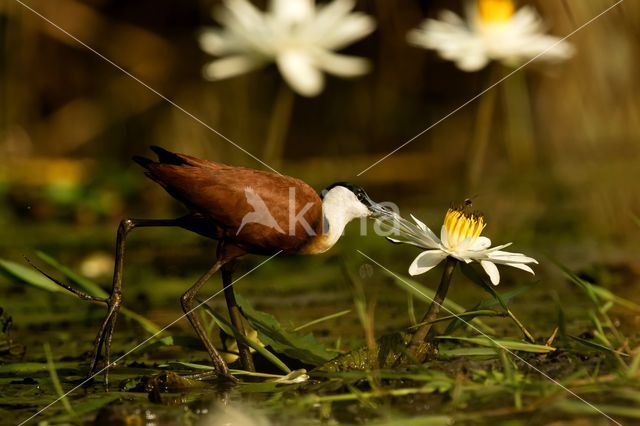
{"points": [[249, 212]]}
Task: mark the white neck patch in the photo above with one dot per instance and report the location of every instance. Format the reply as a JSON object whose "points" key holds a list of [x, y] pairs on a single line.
{"points": [[339, 207]]}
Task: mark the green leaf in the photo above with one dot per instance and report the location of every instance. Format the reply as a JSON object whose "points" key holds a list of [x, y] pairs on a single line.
{"points": [[427, 295], [473, 351], [304, 348], [86, 284], [28, 276], [514, 345], [579, 407], [319, 320], [55, 380], [27, 368], [427, 420], [149, 326], [596, 346], [228, 328]]}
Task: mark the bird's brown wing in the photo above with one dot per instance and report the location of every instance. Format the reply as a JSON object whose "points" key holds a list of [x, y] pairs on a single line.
{"points": [[218, 193]]}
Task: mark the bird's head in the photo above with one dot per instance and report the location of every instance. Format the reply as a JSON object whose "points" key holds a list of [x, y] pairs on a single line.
{"points": [[352, 200]]}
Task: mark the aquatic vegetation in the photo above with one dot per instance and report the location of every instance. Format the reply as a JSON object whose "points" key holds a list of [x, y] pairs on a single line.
{"points": [[468, 371]]}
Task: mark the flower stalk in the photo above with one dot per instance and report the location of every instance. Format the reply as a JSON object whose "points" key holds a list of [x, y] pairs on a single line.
{"points": [[279, 126], [482, 132], [420, 345]]}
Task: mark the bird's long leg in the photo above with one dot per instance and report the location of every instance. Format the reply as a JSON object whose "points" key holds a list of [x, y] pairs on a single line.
{"points": [[236, 316], [105, 334], [187, 306]]}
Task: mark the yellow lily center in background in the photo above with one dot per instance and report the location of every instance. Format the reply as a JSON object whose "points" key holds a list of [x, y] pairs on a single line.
{"points": [[461, 226], [496, 11]]}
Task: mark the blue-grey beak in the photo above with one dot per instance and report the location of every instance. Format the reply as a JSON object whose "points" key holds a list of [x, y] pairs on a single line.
{"points": [[376, 210]]}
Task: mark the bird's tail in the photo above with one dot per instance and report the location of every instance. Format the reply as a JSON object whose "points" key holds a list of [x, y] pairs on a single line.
{"points": [[164, 157]]}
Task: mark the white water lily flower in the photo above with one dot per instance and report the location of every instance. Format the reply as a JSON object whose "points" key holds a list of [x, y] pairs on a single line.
{"points": [[297, 35], [459, 238], [493, 30]]}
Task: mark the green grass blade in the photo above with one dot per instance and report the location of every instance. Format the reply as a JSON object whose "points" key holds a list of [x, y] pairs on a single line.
{"points": [[473, 351], [28, 276], [514, 345], [489, 303], [597, 346], [319, 320], [596, 293], [55, 380], [228, 328], [476, 278], [86, 284], [148, 325], [426, 294]]}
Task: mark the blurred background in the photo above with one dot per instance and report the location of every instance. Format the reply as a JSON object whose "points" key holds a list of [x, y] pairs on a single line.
{"points": [[560, 178]]}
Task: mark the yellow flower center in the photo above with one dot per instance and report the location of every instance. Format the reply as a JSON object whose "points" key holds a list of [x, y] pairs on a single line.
{"points": [[496, 11], [461, 226]]}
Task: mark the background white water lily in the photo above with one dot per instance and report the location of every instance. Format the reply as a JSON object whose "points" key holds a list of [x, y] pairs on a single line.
{"points": [[297, 35], [459, 238], [493, 30]]}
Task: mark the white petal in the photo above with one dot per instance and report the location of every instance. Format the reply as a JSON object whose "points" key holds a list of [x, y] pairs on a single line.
{"points": [[342, 65], [451, 18], [500, 247], [453, 41], [482, 243], [527, 20], [426, 233], [216, 42], [349, 29], [508, 257], [491, 270], [548, 48], [242, 11], [521, 266], [244, 24], [426, 261], [299, 71], [473, 61], [230, 66], [292, 11], [411, 243], [418, 222], [444, 236], [328, 15]]}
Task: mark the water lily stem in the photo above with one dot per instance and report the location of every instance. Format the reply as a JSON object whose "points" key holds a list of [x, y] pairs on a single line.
{"points": [[419, 346], [481, 133], [520, 140], [278, 126]]}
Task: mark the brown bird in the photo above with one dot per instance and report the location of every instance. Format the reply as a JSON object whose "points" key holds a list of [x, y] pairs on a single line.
{"points": [[249, 212]]}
